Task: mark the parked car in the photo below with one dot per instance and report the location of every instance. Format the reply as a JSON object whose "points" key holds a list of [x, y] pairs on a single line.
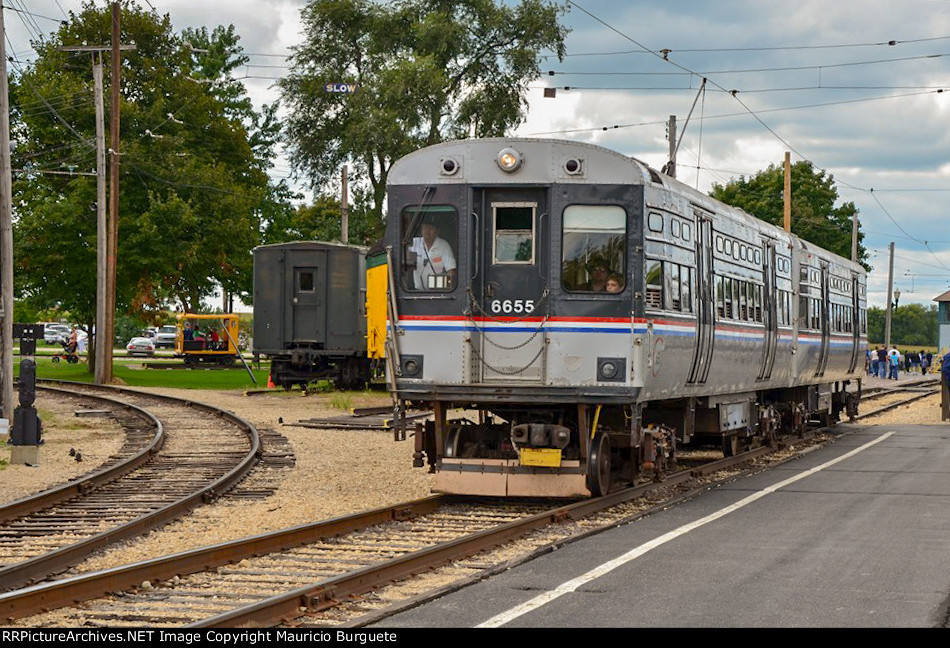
{"points": [[165, 337], [52, 332], [140, 346]]}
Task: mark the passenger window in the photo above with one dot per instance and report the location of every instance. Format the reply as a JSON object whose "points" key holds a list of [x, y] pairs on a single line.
{"points": [[720, 299], [673, 285], [686, 282], [514, 232], [594, 242], [429, 244], [727, 291], [654, 281]]}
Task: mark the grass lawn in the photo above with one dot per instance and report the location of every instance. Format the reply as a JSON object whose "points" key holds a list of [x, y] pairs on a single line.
{"points": [[132, 372]]}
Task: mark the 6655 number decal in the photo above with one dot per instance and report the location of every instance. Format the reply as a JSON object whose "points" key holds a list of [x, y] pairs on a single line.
{"points": [[507, 306]]}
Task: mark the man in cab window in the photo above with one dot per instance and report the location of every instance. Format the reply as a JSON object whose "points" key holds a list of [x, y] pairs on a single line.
{"points": [[435, 262]]}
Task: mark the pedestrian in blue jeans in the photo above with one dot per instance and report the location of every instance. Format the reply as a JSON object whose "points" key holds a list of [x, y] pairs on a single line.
{"points": [[881, 362], [894, 358]]}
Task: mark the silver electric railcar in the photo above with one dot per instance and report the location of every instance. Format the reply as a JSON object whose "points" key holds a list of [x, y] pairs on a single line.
{"points": [[572, 315]]}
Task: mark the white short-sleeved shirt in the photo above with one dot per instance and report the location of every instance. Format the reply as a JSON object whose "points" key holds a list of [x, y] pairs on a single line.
{"points": [[436, 260]]}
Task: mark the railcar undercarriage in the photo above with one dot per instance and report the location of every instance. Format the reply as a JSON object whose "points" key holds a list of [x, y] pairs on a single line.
{"points": [[304, 366], [580, 449]]}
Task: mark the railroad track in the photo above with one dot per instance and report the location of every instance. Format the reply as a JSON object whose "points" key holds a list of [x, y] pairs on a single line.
{"points": [[178, 454], [295, 576], [899, 394]]}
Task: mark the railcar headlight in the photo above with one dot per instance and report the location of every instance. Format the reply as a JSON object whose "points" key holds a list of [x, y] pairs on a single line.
{"points": [[509, 160], [608, 370]]}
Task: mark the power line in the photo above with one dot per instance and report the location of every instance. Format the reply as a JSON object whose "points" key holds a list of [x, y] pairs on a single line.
{"points": [[777, 48], [916, 240], [794, 68], [744, 113], [32, 14]]}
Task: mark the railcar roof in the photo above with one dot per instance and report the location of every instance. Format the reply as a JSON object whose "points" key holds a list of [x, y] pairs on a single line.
{"points": [[316, 245]]}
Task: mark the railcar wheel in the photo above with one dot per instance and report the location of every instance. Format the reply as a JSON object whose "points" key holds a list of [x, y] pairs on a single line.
{"points": [[598, 466], [730, 445]]}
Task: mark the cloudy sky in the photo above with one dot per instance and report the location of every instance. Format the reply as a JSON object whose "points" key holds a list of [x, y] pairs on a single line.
{"points": [[861, 88]]}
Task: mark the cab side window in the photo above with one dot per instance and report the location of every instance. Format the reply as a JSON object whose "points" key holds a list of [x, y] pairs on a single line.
{"points": [[430, 243]]}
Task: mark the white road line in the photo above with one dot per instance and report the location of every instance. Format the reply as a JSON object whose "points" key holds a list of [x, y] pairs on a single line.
{"points": [[633, 554]]}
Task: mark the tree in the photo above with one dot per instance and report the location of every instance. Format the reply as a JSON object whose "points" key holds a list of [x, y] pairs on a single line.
{"points": [[194, 162], [814, 215], [321, 221], [912, 325], [423, 71]]}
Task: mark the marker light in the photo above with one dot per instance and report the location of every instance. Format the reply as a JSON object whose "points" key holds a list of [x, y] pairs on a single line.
{"points": [[509, 160], [449, 167]]}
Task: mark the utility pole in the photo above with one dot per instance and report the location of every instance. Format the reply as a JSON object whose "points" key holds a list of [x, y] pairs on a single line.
{"points": [[101, 226], [671, 129], [112, 236], [854, 236], [345, 209], [890, 298], [788, 191], [6, 236], [105, 290]]}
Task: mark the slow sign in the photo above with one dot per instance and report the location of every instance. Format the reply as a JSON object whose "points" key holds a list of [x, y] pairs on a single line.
{"points": [[345, 88]]}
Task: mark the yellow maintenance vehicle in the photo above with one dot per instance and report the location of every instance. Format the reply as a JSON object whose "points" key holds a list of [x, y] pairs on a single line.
{"points": [[209, 338]]}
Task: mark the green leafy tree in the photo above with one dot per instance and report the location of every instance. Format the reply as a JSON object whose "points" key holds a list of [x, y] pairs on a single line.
{"points": [[915, 325], [877, 318], [322, 220], [194, 166], [815, 218], [912, 325], [423, 71]]}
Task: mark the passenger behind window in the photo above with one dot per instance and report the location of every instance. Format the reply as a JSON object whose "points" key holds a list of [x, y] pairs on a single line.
{"points": [[435, 262], [597, 277], [614, 283]]}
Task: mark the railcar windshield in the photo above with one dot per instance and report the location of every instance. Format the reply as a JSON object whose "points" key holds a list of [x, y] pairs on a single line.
{"points": [[514, 232], [430, 243], [593, 243]]}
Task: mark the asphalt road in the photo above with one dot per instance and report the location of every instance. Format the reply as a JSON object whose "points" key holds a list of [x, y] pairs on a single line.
{"points": [[854, 534]]}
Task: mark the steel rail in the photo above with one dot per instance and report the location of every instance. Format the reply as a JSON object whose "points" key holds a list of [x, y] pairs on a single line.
{"points": [[29, 571], [49, 596], [92, 480]]}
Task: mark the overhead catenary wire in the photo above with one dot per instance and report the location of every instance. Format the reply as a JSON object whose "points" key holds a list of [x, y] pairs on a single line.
{"points": [[792, 68], [773, 48]]}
